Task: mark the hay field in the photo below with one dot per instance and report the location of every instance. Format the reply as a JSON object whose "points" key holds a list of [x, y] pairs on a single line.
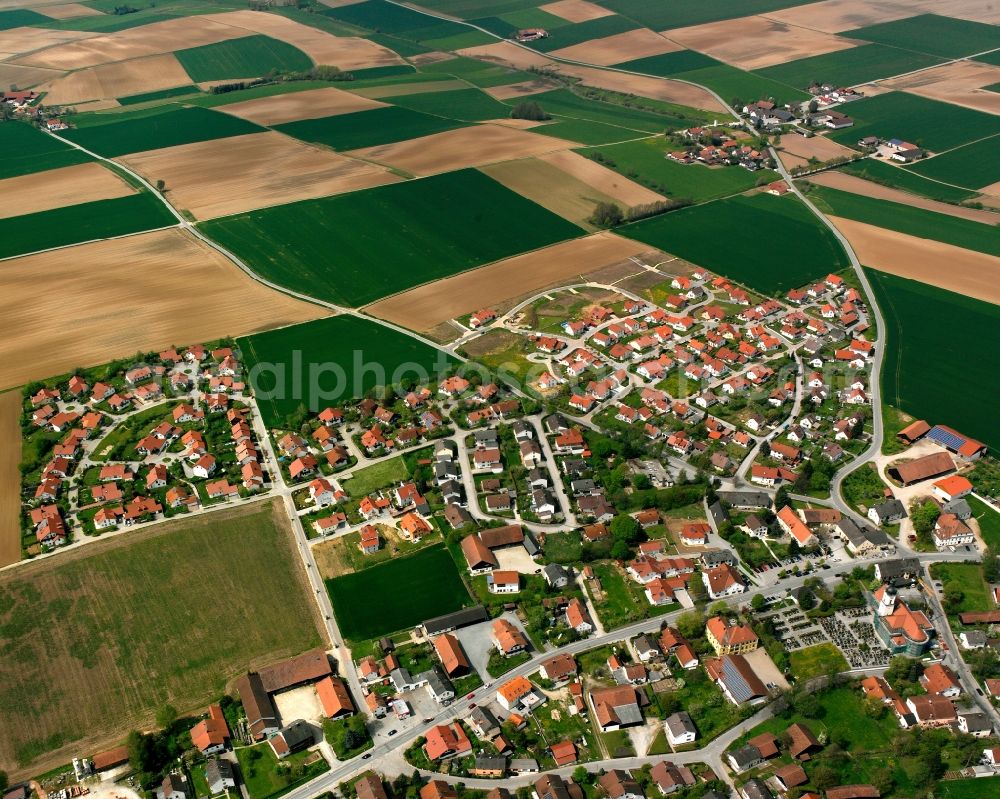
{"points": [[323, 48], [158, 289], [960, 82], [311, 104], [69, 11], [221, 177], [108, 81], [171, 614], [670, 91], [837, 16], [19, 41], [867, 188], [144, 40], [57, 188], [756, 42], [461, 148], [627, 46], [425, 307], [10, 478], [971, 273], [623, 190], [797, 150], [576, 10]]}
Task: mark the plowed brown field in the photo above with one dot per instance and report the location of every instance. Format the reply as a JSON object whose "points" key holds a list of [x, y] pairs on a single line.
{"points": [[56, 188]]}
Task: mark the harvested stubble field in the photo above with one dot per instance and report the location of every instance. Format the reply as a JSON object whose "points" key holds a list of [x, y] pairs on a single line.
{"points": [[17, 41], [26, 77], [620, 47], [229, 176], [69, 11], [971, 273], [158, 289], [427, 306], [756, 42], [109, 81], [960, 82], [70, 185], [168, 615], [796, 150], [371, 260], [10, 477], [311, 104], [605, 180], [462, 148], [837, 16], [333, 340], [670, 91], [576, 10]]}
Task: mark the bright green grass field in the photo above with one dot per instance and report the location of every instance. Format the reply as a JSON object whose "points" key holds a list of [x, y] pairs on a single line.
{"points": [[367, 128], [73, 224], [249, 57], [468, 105], [974, 165], [912, 221], [927, 123], [26, 150], [398, 594], [989, 522], [932, 335], [369, 354], [354, 248], [816, 661], [660, 14], [850, 67], [703, 235], [967, 578], [165, 128], [930, 33], [696, 182], [906, 180], [968, 789]]}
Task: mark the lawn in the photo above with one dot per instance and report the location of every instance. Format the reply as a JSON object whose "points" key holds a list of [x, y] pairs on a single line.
{"points": [[378, 475], [927, 123], [967, 578], [974, 165], [850, 67], [164, 128], [907, 219], [26, 150], [645, 161], [767, 259], [210, 582], [365, 353], [368, 128], [259, 768], [468, 105], [249, 57], [906, 180], [73, 224], [989, 522], [929, 33], [968, 789], [659, 15], [355, 248], [399, 594], [817, 661], [926, 372]]}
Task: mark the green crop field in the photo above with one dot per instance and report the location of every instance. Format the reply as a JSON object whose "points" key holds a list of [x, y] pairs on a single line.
{"points": [[211, 582], [667, 64], [368, 128], [177, 91], [850, 67], [468, 9], [73, 224], [932, 334], [26, 150], [564, 103], [973, 165], [583, 131], [20, 17], [506, 25], [912, 221], [386, 18], [646, 159], [906, 180], [477, 73], [354, 248], [709, 235], [398, 594], [369, 354], [468, 105], [968, 789], [930, 33], [165, 128], [577, 33], [249, 57], [660, 15], [989, 58], [930, 124]]}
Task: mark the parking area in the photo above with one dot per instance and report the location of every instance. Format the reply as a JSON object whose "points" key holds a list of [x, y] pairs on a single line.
{"points": [[477, 640]]}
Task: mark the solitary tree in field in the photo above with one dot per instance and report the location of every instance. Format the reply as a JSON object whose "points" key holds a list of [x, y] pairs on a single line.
{"points": [[161, 185], [530, 110]]}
